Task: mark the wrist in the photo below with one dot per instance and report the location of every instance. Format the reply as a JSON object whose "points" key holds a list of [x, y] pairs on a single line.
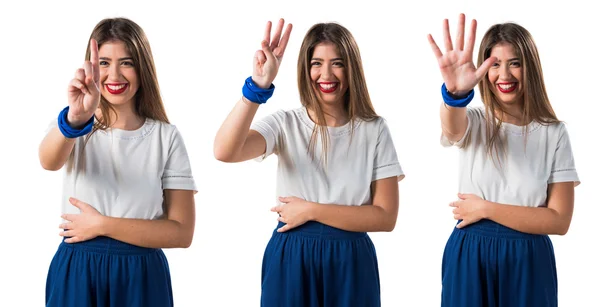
{"points": [[75, 122], [256, 93], [487, 209], [261, 85], [103, 226], [312, 211], [66, 124], [458, 95], [454, 100]]}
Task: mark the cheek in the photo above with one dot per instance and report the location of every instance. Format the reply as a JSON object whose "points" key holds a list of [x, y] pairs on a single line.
{"points": [[517, 74], [492, 76], [314, 74], [342, 77], [103, 76]]}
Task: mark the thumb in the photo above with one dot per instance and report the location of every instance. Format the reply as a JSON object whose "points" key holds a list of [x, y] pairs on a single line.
{"points": [[484, 67], [77, 203], [284, 199], [462, 196]]}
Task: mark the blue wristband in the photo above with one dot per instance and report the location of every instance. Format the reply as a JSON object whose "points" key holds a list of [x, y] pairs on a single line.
{"points": [[70, 132], [256, 94], [457, 103]]}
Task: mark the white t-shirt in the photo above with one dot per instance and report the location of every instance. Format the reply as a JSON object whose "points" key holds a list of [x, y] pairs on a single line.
{"points": [[123, 173], [353, 161], [532, 161]]}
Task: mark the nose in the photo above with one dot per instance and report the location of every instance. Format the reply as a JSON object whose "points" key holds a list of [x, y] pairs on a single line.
{"points": [[504, 73], [114, 72], [326, 71]]}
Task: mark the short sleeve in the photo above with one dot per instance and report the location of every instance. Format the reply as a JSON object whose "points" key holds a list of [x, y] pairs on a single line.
{"points": [[270, 128], [563, 165], [51, 125], [178, 172], [386, 160], [474, 119]]}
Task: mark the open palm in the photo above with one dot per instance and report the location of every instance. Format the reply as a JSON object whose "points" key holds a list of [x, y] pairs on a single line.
{"points": [[456, 65]]}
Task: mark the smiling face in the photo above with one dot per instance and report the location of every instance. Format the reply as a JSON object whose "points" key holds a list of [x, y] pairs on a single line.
{"points": [[506, 75], [328, 73], [118, 77]]}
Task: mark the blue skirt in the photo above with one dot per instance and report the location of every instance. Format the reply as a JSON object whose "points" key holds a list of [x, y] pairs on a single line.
{"points": [[487, 264], [318, 265], [107, 272]]}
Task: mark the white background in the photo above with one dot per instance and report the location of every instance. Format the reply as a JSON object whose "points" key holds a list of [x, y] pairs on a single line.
{"points": [[204, 52]]}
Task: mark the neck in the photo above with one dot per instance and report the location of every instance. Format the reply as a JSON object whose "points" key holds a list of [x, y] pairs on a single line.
{"points": [[335, 115], [124, 117], [512, 114]]}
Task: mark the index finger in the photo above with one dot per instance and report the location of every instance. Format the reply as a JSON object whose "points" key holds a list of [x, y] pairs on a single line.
{"points": [[94, 60]]}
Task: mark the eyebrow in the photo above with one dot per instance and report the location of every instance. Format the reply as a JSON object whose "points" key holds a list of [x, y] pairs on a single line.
{"points": [[510, 60], [121, 59], [319, 59]]}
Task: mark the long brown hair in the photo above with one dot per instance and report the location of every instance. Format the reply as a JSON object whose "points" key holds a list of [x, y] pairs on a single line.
{"points": [[148, 101], [536, 105], [357, 102]]}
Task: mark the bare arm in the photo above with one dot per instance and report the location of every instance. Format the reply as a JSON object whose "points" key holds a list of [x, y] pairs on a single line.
{"points": [[454, 122], [553, 219], [55, 150], [175, 230], [381, 215], [235, 142]]}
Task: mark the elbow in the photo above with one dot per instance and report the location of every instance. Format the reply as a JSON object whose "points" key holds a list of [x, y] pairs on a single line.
{"points": [[49, 166], [222, 154], [186, 241], [389, 225], [562, 230], [185, 244]]}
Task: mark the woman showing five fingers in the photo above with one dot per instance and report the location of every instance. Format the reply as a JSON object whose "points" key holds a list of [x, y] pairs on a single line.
{"points": [[517, 173]]}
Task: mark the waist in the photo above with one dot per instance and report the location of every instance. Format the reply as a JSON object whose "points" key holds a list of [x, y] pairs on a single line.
{"points": [[109, 246], [319, 230]]}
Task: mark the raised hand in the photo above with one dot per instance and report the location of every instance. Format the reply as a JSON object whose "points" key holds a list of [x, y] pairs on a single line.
{"points": [[84, 90], [457, 67], [268, 59]]}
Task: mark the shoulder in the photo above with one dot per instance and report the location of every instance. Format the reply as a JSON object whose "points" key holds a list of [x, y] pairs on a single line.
{"points": [[476, 113], [161, 127], [557, 130], [166, 132], [378, 124], [286, 117]]}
